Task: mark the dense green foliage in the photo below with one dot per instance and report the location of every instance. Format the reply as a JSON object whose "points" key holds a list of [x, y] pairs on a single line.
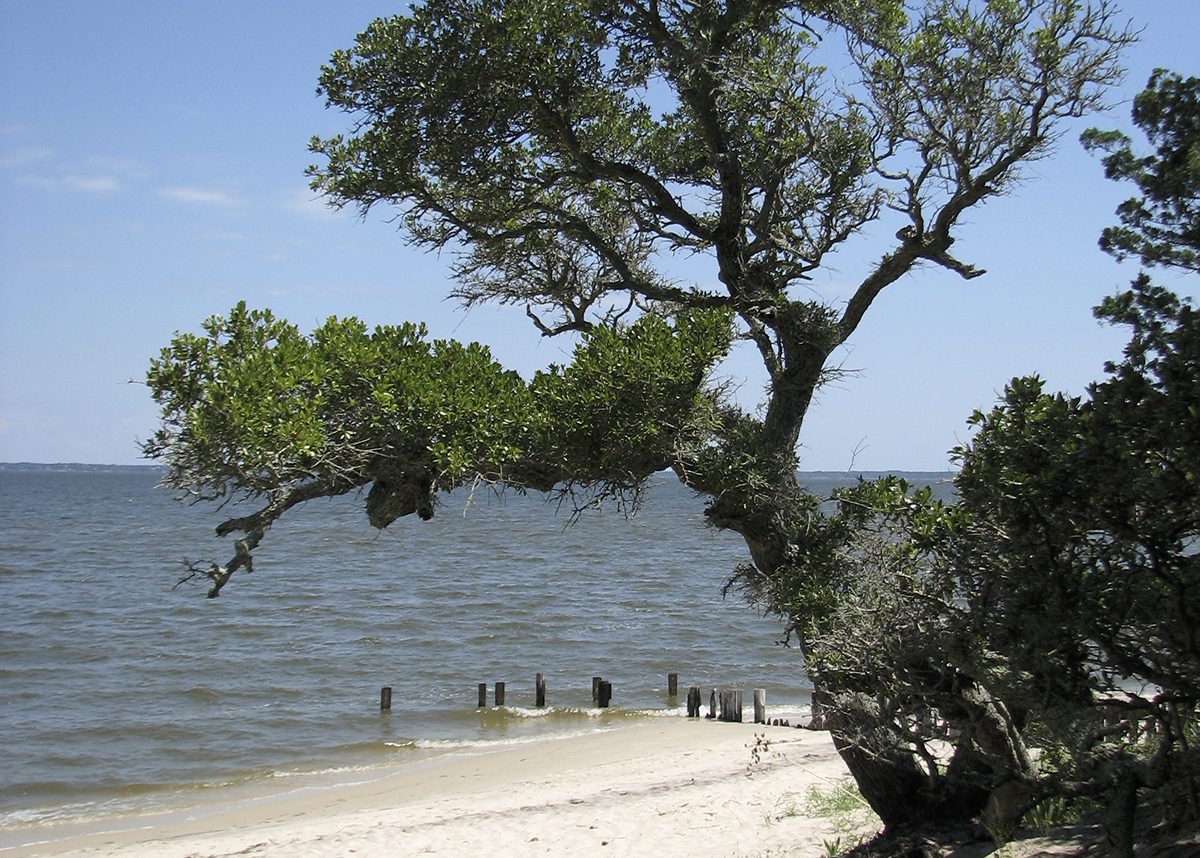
{"points": [[1055, 605], [1097, 504], [1162, 226], [254, 408], [253, 404]]}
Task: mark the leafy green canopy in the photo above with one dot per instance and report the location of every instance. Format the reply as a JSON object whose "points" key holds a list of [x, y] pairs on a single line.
{"points": [[585, 137], [566, 152], [253, 408]]}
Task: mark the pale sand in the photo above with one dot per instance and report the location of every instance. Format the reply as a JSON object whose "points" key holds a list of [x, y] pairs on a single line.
{"points": [[664, 788]]}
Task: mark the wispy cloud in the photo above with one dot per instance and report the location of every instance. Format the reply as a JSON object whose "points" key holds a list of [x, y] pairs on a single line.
{"points": [[95, 184], [194, 195], [96, 174], [92, 184], [24, 156]]}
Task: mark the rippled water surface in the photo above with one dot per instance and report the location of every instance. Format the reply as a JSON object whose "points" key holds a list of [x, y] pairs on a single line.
{"points": [[118, 689]]}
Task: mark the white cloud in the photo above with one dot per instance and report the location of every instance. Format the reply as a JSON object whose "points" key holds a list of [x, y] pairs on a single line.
{"points": [[92, 184], [194, 195], [96, 174], [24, 156], [95, 184]]}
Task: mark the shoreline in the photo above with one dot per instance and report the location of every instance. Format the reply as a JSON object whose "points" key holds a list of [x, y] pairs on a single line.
{"points": [[664, 787]]}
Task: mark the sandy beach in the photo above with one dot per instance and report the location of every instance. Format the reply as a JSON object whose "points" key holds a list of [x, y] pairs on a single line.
{"points": [[666, 787]]}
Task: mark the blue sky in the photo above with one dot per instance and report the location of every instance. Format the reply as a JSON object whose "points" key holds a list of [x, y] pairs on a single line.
{"points": [[152, 157]]}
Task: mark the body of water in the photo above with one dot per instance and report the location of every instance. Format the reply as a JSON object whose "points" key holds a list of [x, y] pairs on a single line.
{"points": [[120, 693]]}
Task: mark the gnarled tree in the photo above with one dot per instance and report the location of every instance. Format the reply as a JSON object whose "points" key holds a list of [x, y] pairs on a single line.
{"points": [[566, 152]]}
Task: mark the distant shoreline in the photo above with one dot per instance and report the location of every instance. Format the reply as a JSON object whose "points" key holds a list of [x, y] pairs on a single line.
{"points": [[51, 467], [74, 467]]}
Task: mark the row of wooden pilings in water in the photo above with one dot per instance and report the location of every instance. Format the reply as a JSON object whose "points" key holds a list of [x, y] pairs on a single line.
{"points": [[723, 705]]}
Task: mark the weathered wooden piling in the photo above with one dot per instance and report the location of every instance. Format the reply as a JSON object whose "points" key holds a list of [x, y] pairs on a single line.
{"points": [[725, 705], [731, 705], [385, 698]]}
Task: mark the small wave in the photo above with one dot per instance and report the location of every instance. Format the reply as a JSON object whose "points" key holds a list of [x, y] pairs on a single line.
{"points": [[558, 717], [285, 774], [53, 614], [447, 744], [483, 745], [509, 713], [543, 712], [202, 694], [59, 802]]}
